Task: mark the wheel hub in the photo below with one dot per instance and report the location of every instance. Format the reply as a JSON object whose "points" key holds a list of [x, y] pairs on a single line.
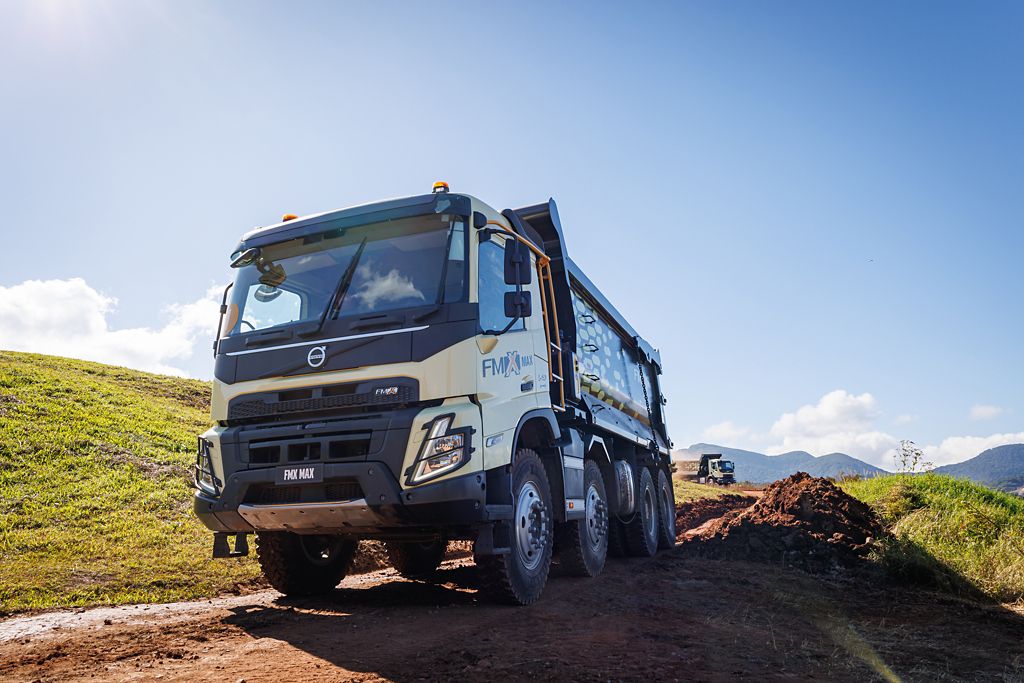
{"points": [[597, 517], [650, 512], [531, 526]]}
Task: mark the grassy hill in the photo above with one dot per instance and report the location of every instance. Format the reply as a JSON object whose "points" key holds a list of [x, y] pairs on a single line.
{"points": [[950, 533], [95, 492], [999, 468]]}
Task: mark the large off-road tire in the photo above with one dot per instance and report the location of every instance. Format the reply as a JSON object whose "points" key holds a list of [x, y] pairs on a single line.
{"points": [[304, 565], [666, 512], [415, 560], [583, 543], [642, 531], [617, 538], [518, 577]]}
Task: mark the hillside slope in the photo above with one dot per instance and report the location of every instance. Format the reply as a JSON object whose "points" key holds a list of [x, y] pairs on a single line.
{"points": [[949, 533], [1001, 468], [95, 492], [758, 467]]}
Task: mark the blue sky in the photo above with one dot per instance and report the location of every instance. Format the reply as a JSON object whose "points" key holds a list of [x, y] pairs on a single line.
{"points": [[813, 209]]}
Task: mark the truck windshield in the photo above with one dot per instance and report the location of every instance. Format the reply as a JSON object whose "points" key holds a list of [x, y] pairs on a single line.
{"points": [[726, 466], [351, 271]]}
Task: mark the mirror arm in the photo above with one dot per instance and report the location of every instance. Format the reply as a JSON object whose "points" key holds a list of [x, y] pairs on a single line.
{"points": [[497, 333]]}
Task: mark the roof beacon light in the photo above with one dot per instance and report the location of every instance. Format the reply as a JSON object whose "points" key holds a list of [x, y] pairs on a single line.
{"points": [[288, 217], [440, 186]]}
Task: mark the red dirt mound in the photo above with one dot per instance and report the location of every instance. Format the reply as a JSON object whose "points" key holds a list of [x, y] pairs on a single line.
{"points": [[373, 556], [801, 521], [691, 515]]}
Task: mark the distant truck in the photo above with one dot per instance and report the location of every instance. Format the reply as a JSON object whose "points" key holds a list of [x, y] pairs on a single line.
{"points": [[710, 469], [426, 369]]}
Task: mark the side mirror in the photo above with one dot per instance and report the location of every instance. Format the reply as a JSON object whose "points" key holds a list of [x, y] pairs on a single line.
{"points": [[517, 263], [518, 305]]}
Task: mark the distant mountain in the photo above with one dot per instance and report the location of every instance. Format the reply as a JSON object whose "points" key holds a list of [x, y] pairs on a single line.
{"points": [[1000, 468], [761, 468]]}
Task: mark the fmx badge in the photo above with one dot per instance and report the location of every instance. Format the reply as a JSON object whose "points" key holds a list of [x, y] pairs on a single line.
{"points": [[316, 356], [510, 364]]}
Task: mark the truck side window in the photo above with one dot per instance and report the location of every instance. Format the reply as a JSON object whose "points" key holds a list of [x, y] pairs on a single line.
{"points": [[453, 287], [491, 287]]}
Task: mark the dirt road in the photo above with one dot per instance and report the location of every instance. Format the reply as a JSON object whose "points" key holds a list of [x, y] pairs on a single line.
{"points": [[683, 618], [679, 616]]}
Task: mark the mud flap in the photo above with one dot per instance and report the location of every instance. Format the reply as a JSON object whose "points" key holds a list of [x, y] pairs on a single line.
{"points": [[493, 539], [221, 548]]}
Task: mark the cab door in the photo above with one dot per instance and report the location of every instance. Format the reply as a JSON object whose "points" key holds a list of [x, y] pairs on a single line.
{"points": [[513, 372]]}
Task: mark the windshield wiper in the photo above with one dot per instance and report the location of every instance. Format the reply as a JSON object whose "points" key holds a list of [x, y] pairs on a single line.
{"points": [[341, 289]]}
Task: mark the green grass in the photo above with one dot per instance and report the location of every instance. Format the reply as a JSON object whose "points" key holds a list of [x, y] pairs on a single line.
{"points": [[95, 487], [949, 533], [688, 491]]}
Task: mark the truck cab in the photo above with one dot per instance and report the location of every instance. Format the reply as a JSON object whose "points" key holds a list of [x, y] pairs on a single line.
{"points": [[408, 371]]}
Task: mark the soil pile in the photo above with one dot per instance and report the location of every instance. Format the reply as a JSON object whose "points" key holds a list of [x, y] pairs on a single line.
{"points": [[691, 515], [801, 521], [372, 555]]}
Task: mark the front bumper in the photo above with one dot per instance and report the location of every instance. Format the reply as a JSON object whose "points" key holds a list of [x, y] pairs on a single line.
{"points": [[383, 509]]}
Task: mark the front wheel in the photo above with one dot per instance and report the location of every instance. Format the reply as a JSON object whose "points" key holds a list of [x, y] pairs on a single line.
{"points": [[304, 565], [583, 543], [519, 576]]}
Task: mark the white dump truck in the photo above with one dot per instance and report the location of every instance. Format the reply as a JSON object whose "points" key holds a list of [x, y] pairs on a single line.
{"points": [[426, 369], [711, 468]]}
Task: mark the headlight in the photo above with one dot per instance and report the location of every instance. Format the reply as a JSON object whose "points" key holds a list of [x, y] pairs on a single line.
{"points": [[441, 452], [203, 475]]}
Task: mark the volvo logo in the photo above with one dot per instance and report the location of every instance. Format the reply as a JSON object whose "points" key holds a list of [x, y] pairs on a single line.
{"points": [[316, 356]]}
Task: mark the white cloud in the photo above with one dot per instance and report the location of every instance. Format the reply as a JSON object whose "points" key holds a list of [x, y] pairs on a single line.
{"points": [[390, 287], [725, 433], [69, 318], [985, 412], [847, 423], [839, 421], [958, 448]]}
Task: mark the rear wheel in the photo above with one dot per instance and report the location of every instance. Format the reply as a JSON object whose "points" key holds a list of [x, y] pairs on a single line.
{"points": [[667, 512], [642, 531], [415, 560], [616, 538], [304, 565], [519, 576], [583, 543]]}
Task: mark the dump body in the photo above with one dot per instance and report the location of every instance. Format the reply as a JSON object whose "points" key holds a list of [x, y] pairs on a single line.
{"points": [[379, 369]]}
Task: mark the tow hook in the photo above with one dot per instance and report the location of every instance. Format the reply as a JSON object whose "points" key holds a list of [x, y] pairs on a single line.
{"points": [[221, 548]]}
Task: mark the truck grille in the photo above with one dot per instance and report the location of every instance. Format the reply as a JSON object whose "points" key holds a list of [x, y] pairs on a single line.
{"points": [[330, 492], [341, 396], [338, 447]]}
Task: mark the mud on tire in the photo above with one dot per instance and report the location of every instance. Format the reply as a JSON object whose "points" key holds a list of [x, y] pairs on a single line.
{"points": [[518, 577], [583, 543], [415, 560], [642, 531], [304, 565]]}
